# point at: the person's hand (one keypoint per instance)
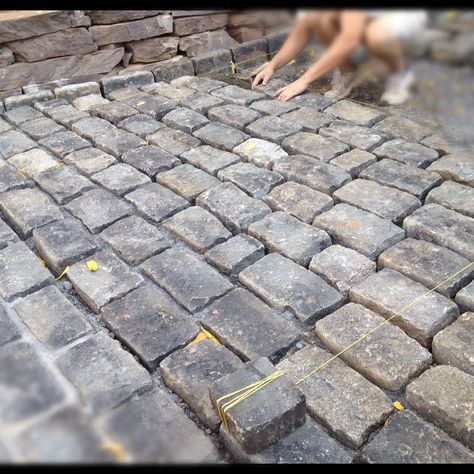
(263, 77)
(289, 91)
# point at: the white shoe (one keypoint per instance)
(340, 85)
(397, 90)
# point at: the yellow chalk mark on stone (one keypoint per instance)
(63, 273)
(92, 265)
(116, 449)
(250, 146)
(203, 334)
(21, 172)
(42, 261)
(233, 67)
(398, 406)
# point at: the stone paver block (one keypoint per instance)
(428, 264)
(104, 373)
(387, 357)
(409, 153)
(232, 206)
(354, 161)
(257, 429)
(383, 201)
(454, 345)
(63, 243)
(456, 166)
(341, 267)
(7, 235)
(150, 159)
(10, 178)
(134, 239)
(249, 327)
(89, 160)
(198, 228)
(465, 298)
(272, 128)
(232, 256)
(201, 102)
(274, 107)
(308, 118)
(404, 177)
(439, 144)
(150, 323)
(154, 106)
(88, 102)
(52, 318)
(209, 159)
(90, 127)
(22, 114)
(141, 125)
(237, 95)
(312, 99)
(14, 142)
(356, 113)
(184, 119)
(260, 152)
(114, 112)
(192, 282)
(27, 387)
(443, 395)
(236, 116)
(408, 439)
(8, 331)
(63, 143)
(72, 91)
(400, 127)
(120, 178)
(117, 141)
(33, 162)
(286, 285)
(198, 83)
(189, 372)
(441, 226)
(359, 230)
(387, 292)
(125, 93)
(66, 114)
(187, 181)
(132, 79)
(220, 136)
(175, 142)
(41, 127)
(165, 434)
(271, 87)
(168, 90)
(346, 403)
(455, 196)
(98, 209)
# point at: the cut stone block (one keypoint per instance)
(454, 345)
(312, 99)
(104, 373)
(184, 119)
(90, 127)
(338, 397)
(10, 178)
(114, 112)
(66, 114)
(404, 177)
(132, 79)
(359, 230)
(394, 358)
(274, 107)
(272, 86)
(27, 387)
(198, 228)
(260, 152)
(187, 181)
(89, 160)
(408, 439)
(86, 103)
(286, 285)
(257, 429)
(201, 102)
(316, 146)
(52, 318)
(441, 226)
(141, 125)
(117, 141)
(98, 209)
(428, 264)
(383, 201)
(150, 159)
(409, 153)
(232, 256)
(354, 161)
(439, 144)
(172, 68)
(120, 178)
(52, 104)
(8, 331)
(237, 95)
(308, 118)
(236, 116)
(249, 327)
(272, 128)
(150, 323)
(221, 136)
(387, 292)
(63, 143)
(400, 127)
(443, 395)
(72, 91)
(14, 142)
(465, 298)
(22, 114)
(7, 235)
(168, 90)
(34, 162)
(198, 83)
(455, 196)
(41, 128)
(63, 243)
(342, 268)
(232, 206)
(457, 166)
(189, 372)
(356, 113)
(154, 106)
(4, 126)
(209, 159)
(175, 142)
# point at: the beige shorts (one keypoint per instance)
(402, 23)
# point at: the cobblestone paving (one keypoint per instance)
(286, 231)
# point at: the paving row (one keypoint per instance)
(284, 230)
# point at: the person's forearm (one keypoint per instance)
(295, 43)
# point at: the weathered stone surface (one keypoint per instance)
(169, 91)
(394, 358)
(28, 388)
(200, 43)
(89, 160)
(153, 49)
(165, 433)
(383, 201)
(193, 283)
(236, 116)
(275, 107)
(154, 106)
(150, 160)
(220, 136)
(236, 95)
(114, 112)
(356, 136)
(259, 429)
(456, 166)
(141, 125)
(117, 141)
(103, 372)
(46, 106)
(209, 159)
(98, 209)
(120, 178)
(407, 152)
(7, 235)
(21, 114)
(308, 118)
(52, 318)
(34, 162)
(388, 292)
(175, 142)
(189, 372)
(8, 331)
(465, 298)
(198, 83)
(150, 323)
(105, 17)
(313, 145)
(232, 206)
(455, 196)
(13, 101)
(400, 127)
(14, 142)
(63, 143)
(40, 127)
(398, 175)
(312, 172)
(260, 152)
(216, 60)
(356, 113)
(272, 128)
(4, 126)
(312, 99)
(198, 228)
(441, 226)
(128, 80)
(184, 119)
(346, 403)
(354, 161)
(201, 102)
(232, 256)
(341, 267)
(6, 56)
(443, 395)
(73, 91)
(454, 345)
(286, 285)
(10, 178)
(362, 231)
(271, 87)
(254, 52)
(65, 114)
(408, 439)
(439, 144)
(428, 264)
(87, 103)
(172, 68)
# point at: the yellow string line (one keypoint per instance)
(248, 390)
